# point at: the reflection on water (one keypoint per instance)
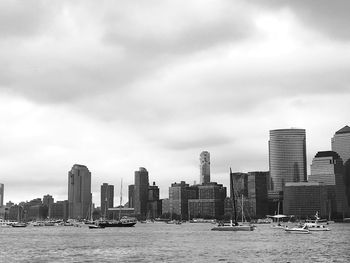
(160, 242)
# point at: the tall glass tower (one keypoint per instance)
(141, 191)
(79, 192)
(287, 157)
(204, 167)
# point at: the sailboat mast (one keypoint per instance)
(242, 208)
(121, 197)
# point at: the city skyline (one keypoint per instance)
(117, 86)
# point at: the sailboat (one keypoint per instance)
(122, 221)
(278, 216)
(19, 223)
(234, 226)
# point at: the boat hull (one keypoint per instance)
(117, 224)
(233, 228)
(297, 230)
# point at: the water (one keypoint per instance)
(160, 242)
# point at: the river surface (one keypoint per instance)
(159, 242)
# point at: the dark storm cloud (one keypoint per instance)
(329, 17)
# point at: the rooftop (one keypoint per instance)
(345, 129)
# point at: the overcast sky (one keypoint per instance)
(116, 85)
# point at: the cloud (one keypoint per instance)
(329, 17)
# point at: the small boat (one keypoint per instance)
(233, 227)
(95, 226)
(19, 225)
(298, 230)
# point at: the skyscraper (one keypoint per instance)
(341, 143)
(107, 198)
(141, 191)
(287, 157)
(204, 167)
(79, 192)
(325, 166)
(1, 195)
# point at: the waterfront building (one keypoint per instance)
(48, 200)
(287, 157)
(210, 200)
(250, 190)
(341, 143)
(79, 192)
(179, 194)
(165, 206)
(154, 205)
(107, 198)
(59, 210)
(1, 195)
(141, 192)
(304, 199)
(204, 166)
(257, 194)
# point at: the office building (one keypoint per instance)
(107, 198)
(179, 194)
(48, 200)
(304, 199)
(59, 210)
(341, 143)
(79, 192)
(249, 190)
(325, 165)
(141, 192)
(209, 203)
(154, 205)
(257, 202)
(1, 195)
(287, 157)
(204, 166)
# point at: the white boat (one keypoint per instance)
(315, 225)
(5, 223)
(298, 230)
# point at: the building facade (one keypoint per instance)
(107, 198)
(257, 194)
(341, 143)
(79, 192)
(1, 195)
(208, 203)
(141, 192)
(204, 167)
(304, 199)
(287, 157)
(179, 194)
